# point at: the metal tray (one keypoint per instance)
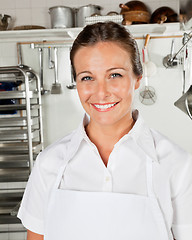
(8, 219)
(18, 148)
(16, 94)
(17, 121)
(14, 161)
(14, 175)
(17, 107)
(17, 134)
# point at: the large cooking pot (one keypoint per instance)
(4, 21)
(85, 11)
(61, 17)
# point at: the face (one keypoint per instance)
(105, 83)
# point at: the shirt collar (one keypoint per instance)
(140, 133)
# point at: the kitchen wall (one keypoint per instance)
(63, 112)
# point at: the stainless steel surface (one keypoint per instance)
(171, 60)
(17, 121)
(18, 107)
(56, 86)
(19, 147)
(61, 17)
(21, 137)
(184, 103)
(14, 175)
(51, 63)
(15, 94)
(85, 11)
(18, 134)
(14, 161)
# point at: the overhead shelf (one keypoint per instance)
(71, 33)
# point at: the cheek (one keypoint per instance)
(84, 91)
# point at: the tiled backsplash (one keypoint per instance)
(35, 12)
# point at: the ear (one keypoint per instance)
(138, 82)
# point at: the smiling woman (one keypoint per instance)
(114, 177)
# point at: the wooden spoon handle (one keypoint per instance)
(146, 40)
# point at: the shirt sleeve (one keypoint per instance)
(182, 204)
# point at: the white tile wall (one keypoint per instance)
(35, 12)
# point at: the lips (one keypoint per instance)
(104, 107)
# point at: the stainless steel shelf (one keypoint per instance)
(16, 94)
(18, 148)
(16, 121)
(15, 135)
(14, 175)
(14, 161)
(21, 136)
(17, 107)
(8, 219)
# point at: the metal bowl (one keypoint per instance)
(4, 21)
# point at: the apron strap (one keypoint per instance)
(149, 175)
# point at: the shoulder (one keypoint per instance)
(53, 156)
(174, 161)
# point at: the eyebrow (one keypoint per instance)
(115, 68)
(110, 69)
(82, 73)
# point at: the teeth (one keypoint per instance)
(104, 106)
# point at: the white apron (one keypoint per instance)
(78, 215)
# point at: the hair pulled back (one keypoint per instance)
(108, 32)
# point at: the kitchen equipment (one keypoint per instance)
(56, 86)
(135, 12)
(184, 103)
(5, 20)
(61, 17)
(85, 11)
(150, 66)
(21, 137)
(51, 63)
(41, 70)
(73, 84)
(164, 15)
(147, 94)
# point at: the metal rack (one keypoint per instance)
(21, 135)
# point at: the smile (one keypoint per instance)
(104, 107)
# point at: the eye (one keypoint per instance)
(86, 78)
(116, 75)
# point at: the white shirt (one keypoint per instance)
(125, 173)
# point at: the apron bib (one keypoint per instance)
(78, 215)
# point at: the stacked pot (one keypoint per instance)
(66, 17)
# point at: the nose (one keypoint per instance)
(102, 90)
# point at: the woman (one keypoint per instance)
(112, 178)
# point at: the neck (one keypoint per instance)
(108, 135)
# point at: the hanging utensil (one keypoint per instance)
(150, 66)
(184, 103)
(147, 94)
(56, 86)
(51, 63)
(43, 91)
(73, 84)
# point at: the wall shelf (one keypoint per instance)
(71, 33)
